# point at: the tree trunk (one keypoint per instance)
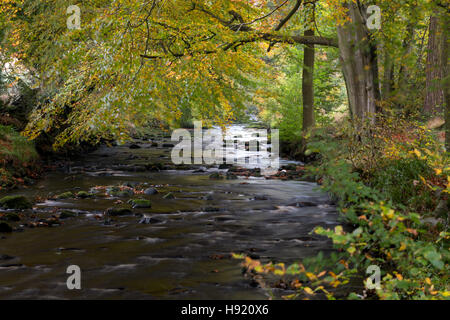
(308, 85)
(404, 72)
(359, 63)
(434, 98)
(446, 82)
(388, 77)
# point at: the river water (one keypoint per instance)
(183, 253)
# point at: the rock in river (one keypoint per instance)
(11, 216)
(140, 203)
(65, 195)
(169, 196)
(149, 220)
(4, 227)
(118, 211)
(67, 214)
(150, 191)
(84, 195)
(15, 202)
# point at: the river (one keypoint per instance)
(184, 250)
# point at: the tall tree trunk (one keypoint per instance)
(359, 63)
(446, 73)
(434, 98)
(404, 72)
(308, 85)
(388, 77)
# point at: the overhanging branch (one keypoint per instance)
(271, 37)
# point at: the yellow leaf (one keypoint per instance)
(308, 290)
(351, 250)
(417, 153)
(311, 276)
(338, 230)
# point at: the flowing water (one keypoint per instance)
(183, 253)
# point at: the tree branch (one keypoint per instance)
(289, 16)
(271, 37)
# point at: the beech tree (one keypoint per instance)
(132, 60)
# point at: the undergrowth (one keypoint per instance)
(389, 181)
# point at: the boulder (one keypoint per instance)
(15, 202)
(140, 203)
(150, 191)
(118, 211)
(84, 195)
(65, 195)
(4, 227)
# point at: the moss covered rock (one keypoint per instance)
(118, 211)
(140, 203)
(15, 202)
(65, 195)
(84, 195)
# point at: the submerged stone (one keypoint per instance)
(260, 197)
(135, 146)
(4, 257)
(67, 214)
(169, 196)
(149, 220)
(120, 193)
(118, 211)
